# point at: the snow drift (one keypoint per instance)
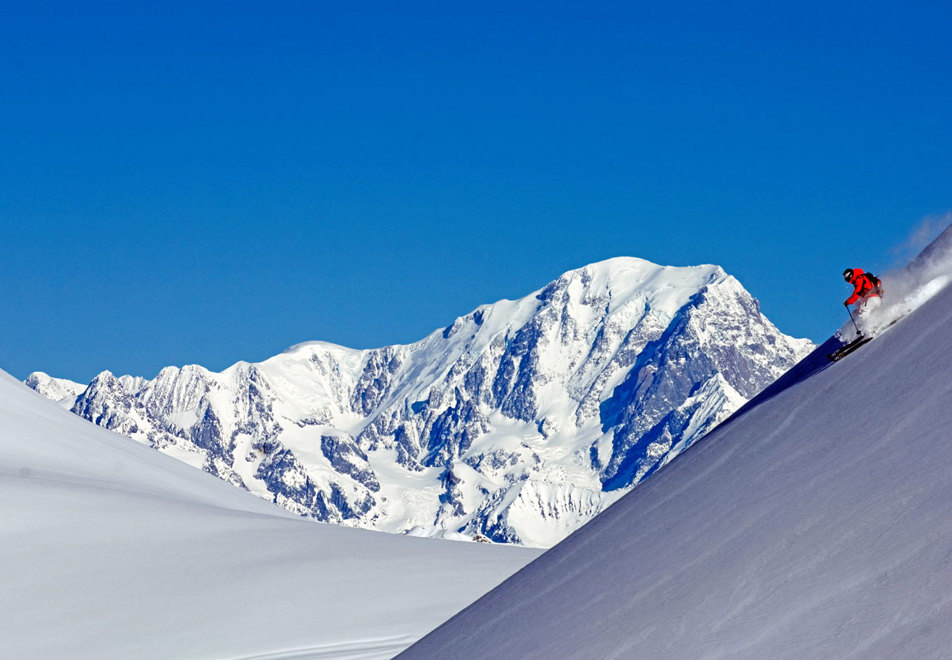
(112, 550)
(815, 523)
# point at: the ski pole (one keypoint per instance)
(848, 311)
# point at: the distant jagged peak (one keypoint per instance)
(103, 377)
(619, 285)
(626, 289)
(107, 380)
(619, 282)
(626, 276)
(52, 388)
(188, 371)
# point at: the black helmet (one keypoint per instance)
(848, 274)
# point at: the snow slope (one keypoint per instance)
(519, 421)
(815, 523)
(112, 550)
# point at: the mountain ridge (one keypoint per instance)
(517, 421)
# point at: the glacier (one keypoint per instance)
(517, 422)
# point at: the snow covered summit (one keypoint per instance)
(815, 523)
(518, 421)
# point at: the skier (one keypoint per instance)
(868, 291)
(865, 286)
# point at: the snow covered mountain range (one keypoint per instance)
(518, 422)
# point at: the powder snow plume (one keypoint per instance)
(908, 288)
(928, 229)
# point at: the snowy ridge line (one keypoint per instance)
(516, 423)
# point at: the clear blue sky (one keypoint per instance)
(207, 184)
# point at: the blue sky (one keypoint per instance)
(208, 184)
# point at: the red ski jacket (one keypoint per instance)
(862, 287)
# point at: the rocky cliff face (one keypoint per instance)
(518, 422)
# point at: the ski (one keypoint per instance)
(843, 351)
(862, 340)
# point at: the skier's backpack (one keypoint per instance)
(876, 282)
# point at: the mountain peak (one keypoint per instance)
(60, 390)
(626, 273)
(513, 423)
